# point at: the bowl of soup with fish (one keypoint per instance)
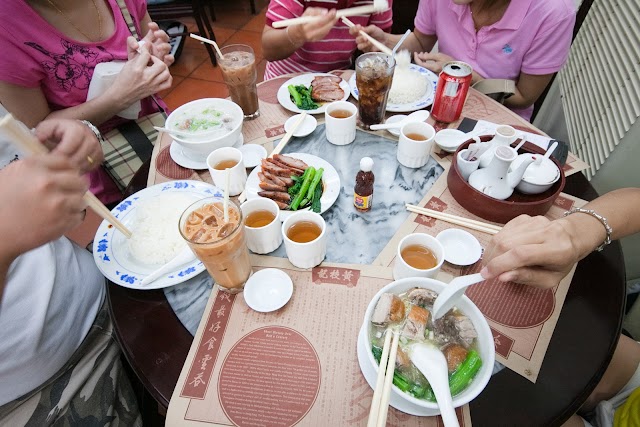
(204, 125)
(462, 334)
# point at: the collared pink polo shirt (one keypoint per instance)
(532, 37)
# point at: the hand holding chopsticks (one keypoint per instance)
(381, 47)
(457, 220)
(376, 6)
(28, 143)
(382, 392)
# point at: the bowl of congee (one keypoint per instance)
(462, 334)
(204, 125)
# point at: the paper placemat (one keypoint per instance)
(295, 366)
(522, 318)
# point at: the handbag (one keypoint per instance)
(497, 89)
(127, 147)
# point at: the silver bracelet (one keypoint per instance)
(600, 218)
(93, 129)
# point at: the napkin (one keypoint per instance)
(104, 75)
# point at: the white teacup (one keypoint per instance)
(266, 238)
(403, 270)
(237, 173)
(340, 130)
(414, 153)
(466, 167)
(310, 254)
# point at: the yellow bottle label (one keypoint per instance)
(362, 202)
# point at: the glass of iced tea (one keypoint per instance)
(238, 66)
(374, 74)
(219, 244)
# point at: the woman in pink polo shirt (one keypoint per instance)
(526, 41)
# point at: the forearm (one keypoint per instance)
(277, 44)
(97, 110)
(619, 207)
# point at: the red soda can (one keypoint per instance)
(451, 92)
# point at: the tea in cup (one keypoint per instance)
(262, 225)
(414, 145)
(418, 255)
(340, 122)
(305, 239)
(223, 159)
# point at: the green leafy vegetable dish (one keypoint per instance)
(301, 96)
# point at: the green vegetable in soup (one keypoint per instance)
(465, 373)
(398, 380)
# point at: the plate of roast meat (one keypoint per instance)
(311, 93)
(295, 181)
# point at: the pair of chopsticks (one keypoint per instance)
(283, 142)
(21, 137)
(454, 219)
(382, 392)
(377, 6)
(382, 48)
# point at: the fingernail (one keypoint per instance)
(484, 272)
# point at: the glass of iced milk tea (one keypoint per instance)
(220, 245)
(238, 66)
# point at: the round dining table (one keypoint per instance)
(156, 344)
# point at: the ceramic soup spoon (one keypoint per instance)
(449, 297)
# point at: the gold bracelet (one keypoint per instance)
(603, 221)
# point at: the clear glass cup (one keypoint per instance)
(238, 67)
(374, 74)
(220, 246)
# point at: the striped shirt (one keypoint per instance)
(335, 51)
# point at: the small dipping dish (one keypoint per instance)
(394, 119)
(252, 154)
(268, 290)
(306, 127)
(449, 139)
(460, 247)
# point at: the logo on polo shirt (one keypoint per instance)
(507, 50)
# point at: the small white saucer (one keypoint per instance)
(252, 154)
(394, 119)
(193, 160)
(460, 247)
(268, 290)
(306, 127)
(449, 139)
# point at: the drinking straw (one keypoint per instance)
(402, 39)
(22, 138)
(226, 195)
(211, 42)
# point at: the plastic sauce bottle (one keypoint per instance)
(363, 190)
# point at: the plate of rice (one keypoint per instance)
(152, 215)
(413, 88)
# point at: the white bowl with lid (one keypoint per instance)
(538, 177)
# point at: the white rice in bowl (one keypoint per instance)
(155, 238)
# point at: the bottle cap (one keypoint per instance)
(366, 164)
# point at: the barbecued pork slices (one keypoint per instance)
(326, 89)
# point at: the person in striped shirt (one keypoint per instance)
(320, 46)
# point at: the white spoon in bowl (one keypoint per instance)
(172, 131)
(451, 294)
(550, 150)
(431, 362)
(185, 256)
(416, 116)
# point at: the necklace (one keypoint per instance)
(99, 35)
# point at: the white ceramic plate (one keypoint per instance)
(394, 119)
(330, 180)
(284, 98)
(445, 137)
(424, 101)
(110, 249)
(193, 161)
(252, 154)
(460, 246)
(268, 290)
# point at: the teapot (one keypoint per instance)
(505, 135)
(496, 180)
